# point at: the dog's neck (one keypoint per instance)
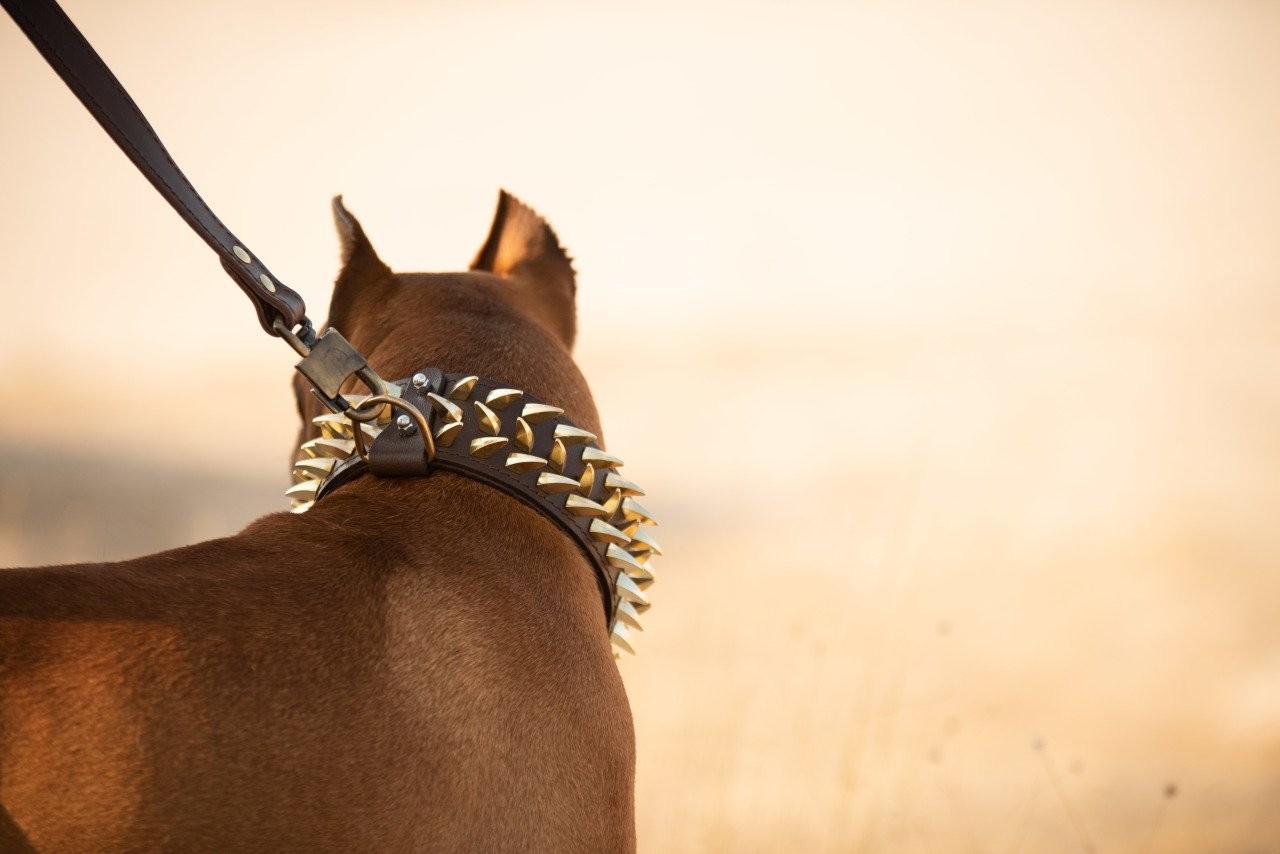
(504, 438)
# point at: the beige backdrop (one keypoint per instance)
(1005, 276)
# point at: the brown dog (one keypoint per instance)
(412, 665)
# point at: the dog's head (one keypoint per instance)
(511, 317)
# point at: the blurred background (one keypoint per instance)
(1002, 278)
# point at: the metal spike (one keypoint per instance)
(622, 559)
(587, 480)
(571, 435)
(337, 448)
(486, 446)
(600, 459)
(631, 509)
(642, 542)
(500, 398)
(621, 638)
(629, 527)
(555, 483)
(521, 463)
(558, 455)
(579, 506)
(643, 577)
(333, 425)
(536, 413)
(617, 481)
(602, 530)
(489, 422)
(462, 388)
(335, 431)
(302, 507)
(313, 468)
(625, 612)
(445, 406)
(628, 590)
(524, 435)
(447, 432)
(613, 502)
(305, 491)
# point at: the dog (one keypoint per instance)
(416, 664)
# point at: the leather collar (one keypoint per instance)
(511, 441)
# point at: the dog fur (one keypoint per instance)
(412, 665)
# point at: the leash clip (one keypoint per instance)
(328, 361)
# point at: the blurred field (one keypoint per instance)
(946, 339)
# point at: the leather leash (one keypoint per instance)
(281, 310)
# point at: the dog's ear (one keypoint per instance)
(523, 248)
(362, 269)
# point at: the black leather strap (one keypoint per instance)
(53, 34)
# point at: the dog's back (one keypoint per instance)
(411, 665)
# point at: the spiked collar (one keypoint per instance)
(513, 442)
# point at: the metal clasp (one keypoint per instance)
(374, 405)
(329, 362)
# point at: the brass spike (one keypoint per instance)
(600, 459)
(625, 612)
(313, 468)
(621, 638)
(333, 425)
(445, 406)
(536, 413)
(521, 463)
(602, 530)
(485, 446)
(571, 435)
(643, 577)
(622, 559)
(587, 480)
(462, 388)
(335, 431)
(337, 448)
(555, 483)
(629, 527)
(302, 507)
(305, 491)
(489, 422)
(579, 506)
(524, 435)
(641, 607)
(447, 432)
(617, 481)
(628, 590)
(558, 455)
(613, 502)
(500, 398)
(641, 541)
(631, 509)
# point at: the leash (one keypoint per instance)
(471, 426)
(329, 360)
